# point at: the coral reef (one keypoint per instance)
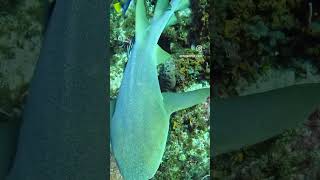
(259, 46)
(252, 36)
(20, 41)
(187, 151)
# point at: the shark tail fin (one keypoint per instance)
(177, 101)
(160, 8)
(141, 20)
(163, 5)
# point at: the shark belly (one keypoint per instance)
(139, 127)
(138, 139)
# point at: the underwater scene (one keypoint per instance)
(266, 62)
(184, 67)
(21, 27)
(265, 69)
(20, 35)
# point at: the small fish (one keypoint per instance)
(117, 7)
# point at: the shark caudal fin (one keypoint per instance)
(142, 21)
(143, 24)
(161, 7)
(178, 101)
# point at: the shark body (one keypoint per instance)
(64, 128)
(140, 123)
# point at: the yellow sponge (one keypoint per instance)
(117, 7)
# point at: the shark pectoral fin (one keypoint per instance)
(112, 107)
(141, 20)
(161, 55)
(177, 101)
(247, 120)
(161, 7)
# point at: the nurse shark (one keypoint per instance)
(140, 123)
